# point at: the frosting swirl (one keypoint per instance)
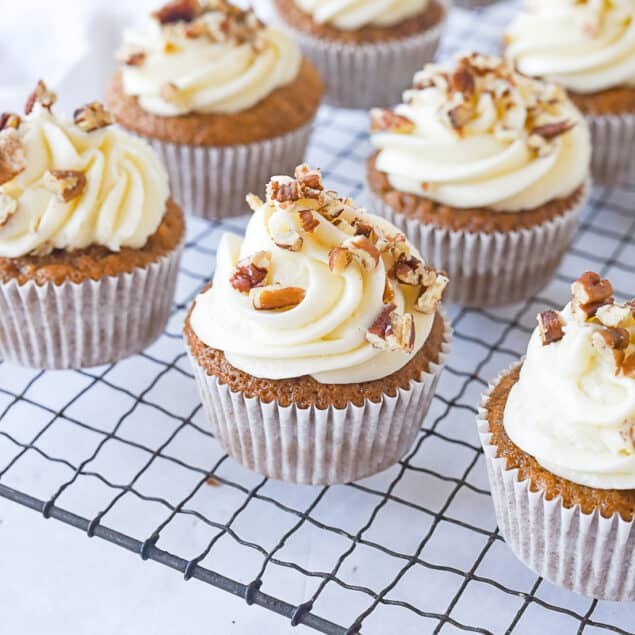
(75, 188)
(478, 134)
(573, 407)
(586, 45)
(349, 15)
(217, 59)
(347, 318)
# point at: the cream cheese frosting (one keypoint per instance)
(116, 187)
(586, 45)
(475, 133)
(573, 407)
(350, 15)
(214, 59)
(335, 330)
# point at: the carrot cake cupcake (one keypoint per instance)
(319, 344)
(224, 99)
(90, 240)
(588, 46)
(559, 437)
(367, 51)
(486, 172)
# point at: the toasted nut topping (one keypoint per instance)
(309, 179)
(550, 325)
(12, 157)
(391, 331)
(67, 184)
(8, 207)
(430, 296)
(251, 272)
(539, 145)
(135, 59)
(628, 366)
(275, 297)
(463, 81)
(308, 221)
(178, 11)
(41, 95)
(284, 192)
(552, 130)
(589, 294)
(291, 240)
(339, 259)
(254, 202)
(9, 120)
(363, 251)
(92, 116)
(381, 119)
(614, 315)
(413, 272)
(389, 292)
(611, 344)
(362, 228)
(459, 116)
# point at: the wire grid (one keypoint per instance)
(123, 452)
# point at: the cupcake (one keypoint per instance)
(318, 345)
(486, 172)
(588, 46)
(225, 101)
(366, 50)
(90, 240)
(558, 432)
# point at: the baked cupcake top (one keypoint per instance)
(318, 287)
(205, 57)
(68, 185)
(573, 407)
(475, 133)
(350, 15)
(586, 45)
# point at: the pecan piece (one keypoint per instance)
(628, 366)
(308, 221)
(381, 119)
(251, 272)
(391, 331)
(430, 296)
(275, 296)
(67, 184)
(92, 116)
(615, 315)
(459, 116)
(589, 293)
(285, 192)
(339, 259)
(12, 156)
(550, 326)
(178, 11)
(612, 344)
(8, 207)
(9, 120)
(135, 59)
(552, 130)
(362, 228)
(363, 251)
(389, 292)
(41, 95)
(291, 241)
(308, 178)
(463, 81)
(414, 272)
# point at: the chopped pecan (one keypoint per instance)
(8, 207)
(275, 296)
(459, 116)
(291, 240)
(178, 11)
(362, 228)
(196, 29)
(308, 221)
(331, 212)
(552, 130)
(12, 156)
(251, 272)
(41, 95)
(136, 58)
(615, 315)
(67, 184)
(254, 202)
(389, 292)
(612, 343)
(589, 293)
(284, 192)
(363, 251)
(414, 272)
(463, 81)
(308, 178)
(628, 366)
(429, 297)
(339, 259)
(9, 120)
(381, 119)
(391, 331)
(550, 326)
(92, 116)
(539, 145)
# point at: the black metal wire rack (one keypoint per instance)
(128, 457)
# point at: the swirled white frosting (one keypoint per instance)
(122, 204)
(572, 412)
(325, 335)
(348, 15)
(493, 159)
(587, 46)
(203, 74)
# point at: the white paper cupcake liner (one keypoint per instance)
(613, 143)
(212, 181)
(368, 75)
(318, 446)
(491, 269)
(76, 325)
(585, 553)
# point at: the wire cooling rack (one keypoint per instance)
(124, 453)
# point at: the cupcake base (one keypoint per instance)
(576, 537)
(292, 440)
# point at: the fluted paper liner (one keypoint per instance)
(585, 553)
(82, 324)
(613, 148)
(318, 446)
(368, 75)
(212, 181)
(491, 269)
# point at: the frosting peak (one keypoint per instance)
(573, 407)
(205, 57)
(318, 287)
(478, 134)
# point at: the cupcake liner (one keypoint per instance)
(585, 553)
(473, 4)
(612, 140)
(491, 269)
(367, 75)
(318, 446)
(82, 324)
(212, 181)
